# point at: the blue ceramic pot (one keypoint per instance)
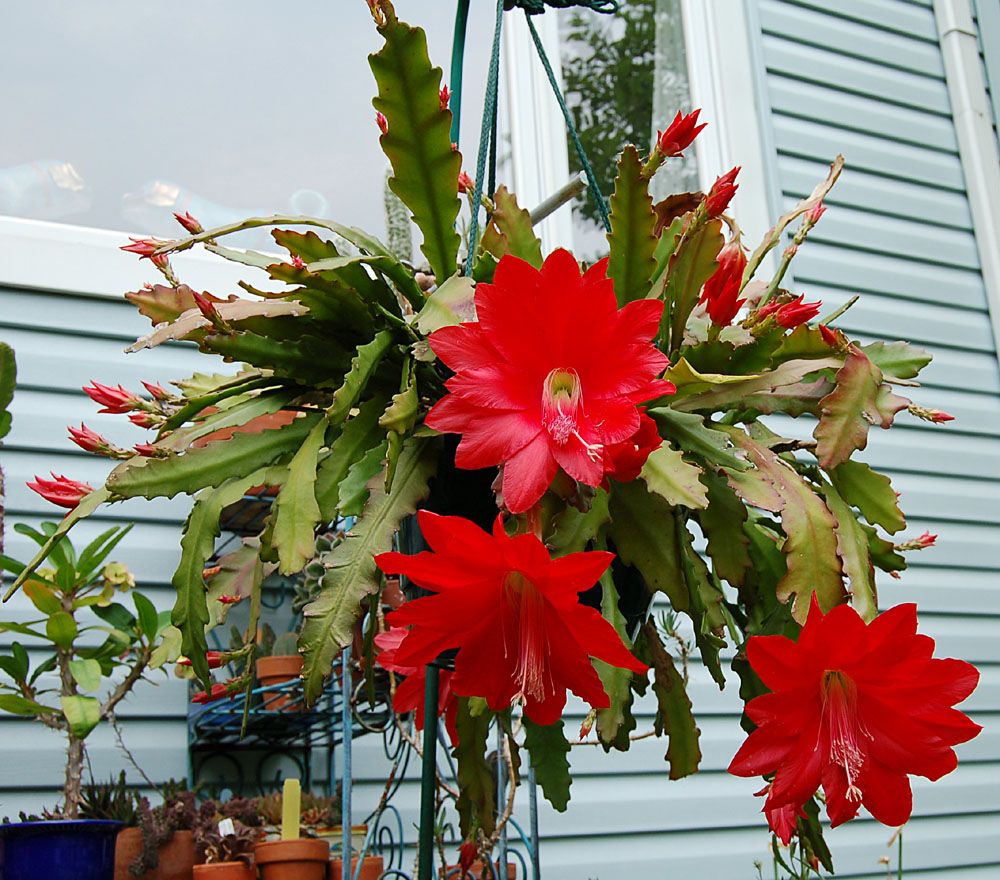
(68, 849)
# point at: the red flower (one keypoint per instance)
(550, 375)
(679, 134)
(722, 290)
(382, 122)
(791, 314)
(624, 460)
(88, 440)
(854, 708)
(61, 491)
(218, 692)
(190, 223)
(215, 659)
(721, 193)
(444, 97)
(114, 400)
(410, 691)
(513, 614)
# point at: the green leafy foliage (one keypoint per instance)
(852, 547)
(614, 723)
(673, 479)
(690, 266)
(847, 412)
(510, 230)
(674, 715)
(631, 238)
(351, 572)
(693, 434)
(418, 142)
(722, 521)
(547, 749)
(870, 492)
(573, 529)
(476, 804)
(296, 510)
(8, 377)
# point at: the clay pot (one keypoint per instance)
(276, 670)
(371, 868)
(225, 871)
(302, 859)
(176, 856)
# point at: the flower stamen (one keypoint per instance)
(532, 646)
(844, 727)
(562, 410)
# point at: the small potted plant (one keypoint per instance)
(162, 846)
(278, 661)
(74, 687)
(224, 846)
(292, 857)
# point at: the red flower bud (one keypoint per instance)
(444, 96)
(218, 692)
(465, 183)
(114, 400)
(61, 491)
(144, 247)
(215, 659)
(148, 450)
(144, 420)
(298, 262)
(467, 854)
(679, 134)
(939, 416)
(211, 571)
(814, 213)
(830, 337)
(791, 314)
(722, 192)
(926, 540)
(190, 223)
(230, 600)
(88, 440)
(383, 123)
(723, 287)
(156, 390)
(205, 306)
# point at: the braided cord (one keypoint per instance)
(536, 7)
(588, 169)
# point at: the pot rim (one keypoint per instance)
(93, 824)
(270, 850)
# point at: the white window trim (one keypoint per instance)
(85, 261)
(977, 145)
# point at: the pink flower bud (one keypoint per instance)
(383, 123)
(144, 247)
(113, 400)
(61, 490)
(814, 213)
(205, 306)
(722, 192)
(144, 419)
(230, 599)
(939, 416)
(680, 134)
(926, 540)
(157, 391)
(444, 96)
(147, 450)
(190, 223)
(465, 183)
(88, 440)
(298, 262)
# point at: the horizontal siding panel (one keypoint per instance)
(855, 76)
(877, 194)
(793, 97)
(890, 15)
(813, 139)
(863, 272)
(824, 28)
(67, 315)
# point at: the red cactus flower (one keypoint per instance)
(61, 491)
(215, 659)
(219, 691)
(551, 374)
(680, 134)
(854, 708)
(512, 612)
(721, 291)
(624, 460)
(190, 223)
(444, 96)
(113, 400)
(382, 122)
(722, 192)
(89, 440)
(410, 691)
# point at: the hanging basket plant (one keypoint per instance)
(622, 414)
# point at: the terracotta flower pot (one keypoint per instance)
(454, 872)
(277, 670)
(225, 871)
(302, 859)
(371, 868)
(176, 856)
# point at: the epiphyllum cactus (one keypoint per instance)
(560, 377)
